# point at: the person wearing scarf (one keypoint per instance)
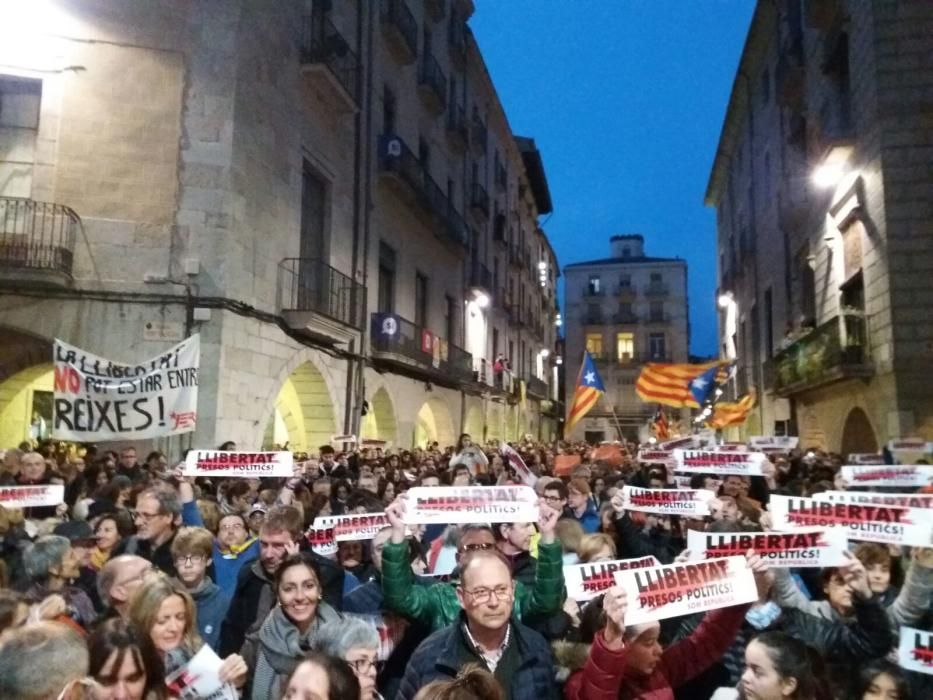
(286, 636)
(233, 549)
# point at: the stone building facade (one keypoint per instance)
(625, 310)
(821, 185)
(291, 180)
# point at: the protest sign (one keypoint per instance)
(693, 503)
(774, 442)
(782, 550)
(609, 453)
(323, 540)
(680, 589)
(96, 400)
(871, 523)
(238, 464)
(199, 679)
(665, 457)
(923, 502)
(733, 447)
(897, 475)
(470, 504)
(587, 581)
(340, 439)
(915, 650)
(515, 461)
(687, 442)
(349, 528)
(710, 462)
(909, 450)
(391, 629)
(565, 464)
(30, 496)
(866, 458)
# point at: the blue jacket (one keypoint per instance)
(227, 567)
(211, 605)
(437, 658)
(589, 521)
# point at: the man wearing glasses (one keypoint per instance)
(438, 606)
(485, 633)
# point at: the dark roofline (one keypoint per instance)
(627, 237)
(534, 168)
(627, 261)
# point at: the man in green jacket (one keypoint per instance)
(437, 606)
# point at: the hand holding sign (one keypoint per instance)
(233, 669)
(618, 503)
(856, 577)
(615, 603)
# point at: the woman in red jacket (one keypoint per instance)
(629, 662)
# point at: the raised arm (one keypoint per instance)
(547, 594)
(916, 596)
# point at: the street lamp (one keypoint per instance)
(833, 167)
(725, 300)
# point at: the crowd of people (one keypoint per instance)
(109, 594)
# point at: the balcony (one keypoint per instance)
(432, 84)
(501, 177)
(457, 133)
(499, 232)
(478, 135)
(327, 61)
(515, 316)
(656, 289)
(401, 169)
(400, 29)
(536, 388)
(37, 242)
(626, 294)
(319, 301)
(658, 319)
(595, 293)
(400, 344)
(515, 257)
(435, 9)
(835, 351)
(479, 200)
(479, 277)
(501, 299)
(625, 318)
(593, 318)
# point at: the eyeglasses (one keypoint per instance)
(145, 517)
(482, 595)
(361, 666)
(553, 499)
(138, 577)
(477, 546)
(195, 559)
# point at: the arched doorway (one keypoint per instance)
(304, 415)
(857, 434)
(434, 423)
(379, 423)
(474, 423)
(25, 387)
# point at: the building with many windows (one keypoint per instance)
(625, 310)
(329, 193)
(821, 185)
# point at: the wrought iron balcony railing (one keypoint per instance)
(310, 284)
(322, 43)
(37, 239)
(402, 343)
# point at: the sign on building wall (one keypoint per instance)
(99, 400)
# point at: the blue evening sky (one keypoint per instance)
(625, 99)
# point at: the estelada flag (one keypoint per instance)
(565, 464)
(608, 453)
(589, 389)
(725, 414)
(669, 384)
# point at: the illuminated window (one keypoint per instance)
(594, 343)
(625, 347)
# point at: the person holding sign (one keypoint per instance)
(629, 661)
(437, 606)
(470, 456)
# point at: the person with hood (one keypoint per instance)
(191, 550)
(287, 633)
(629, 661)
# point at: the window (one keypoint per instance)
(593, 314)
(388, 111)
(495, 342)
(656, 278)
(19, 127)
(625, 347)
(312, 234)
(625, 282)
(593, 286)
(656, 311)
(626, 312)
(421, 300)
(657, 346)
(450, 319)
(386, 297)
(626, 252)
(594, 344)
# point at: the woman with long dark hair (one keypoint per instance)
(880, 680)
(778, 667)
(125, 663)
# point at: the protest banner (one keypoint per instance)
(588, 581)
(909, 450)
(774, 442)
(686, 443)
(692, 503)
(199, 679)
(350, 528)
(99, 400)
(923, 502)
(30, 496)
(866, 458)
(915, 650)
(470, 504)
(733, 447)
(323, 540)
(870, 523)
(565, 464)
(813, 548)
(894, 475)
(681, 589)
(710, 462)
(340, 439)
(515, 461)
(681, 481)
(665, 457)
(238, 464)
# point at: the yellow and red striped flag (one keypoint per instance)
(588, 390)
(726, 414)
(669, 384)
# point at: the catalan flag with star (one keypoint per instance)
(588, 390)
(671, 384)
(726, 414)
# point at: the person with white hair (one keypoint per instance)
(356, 641)
(42, 661)
(52, 565)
